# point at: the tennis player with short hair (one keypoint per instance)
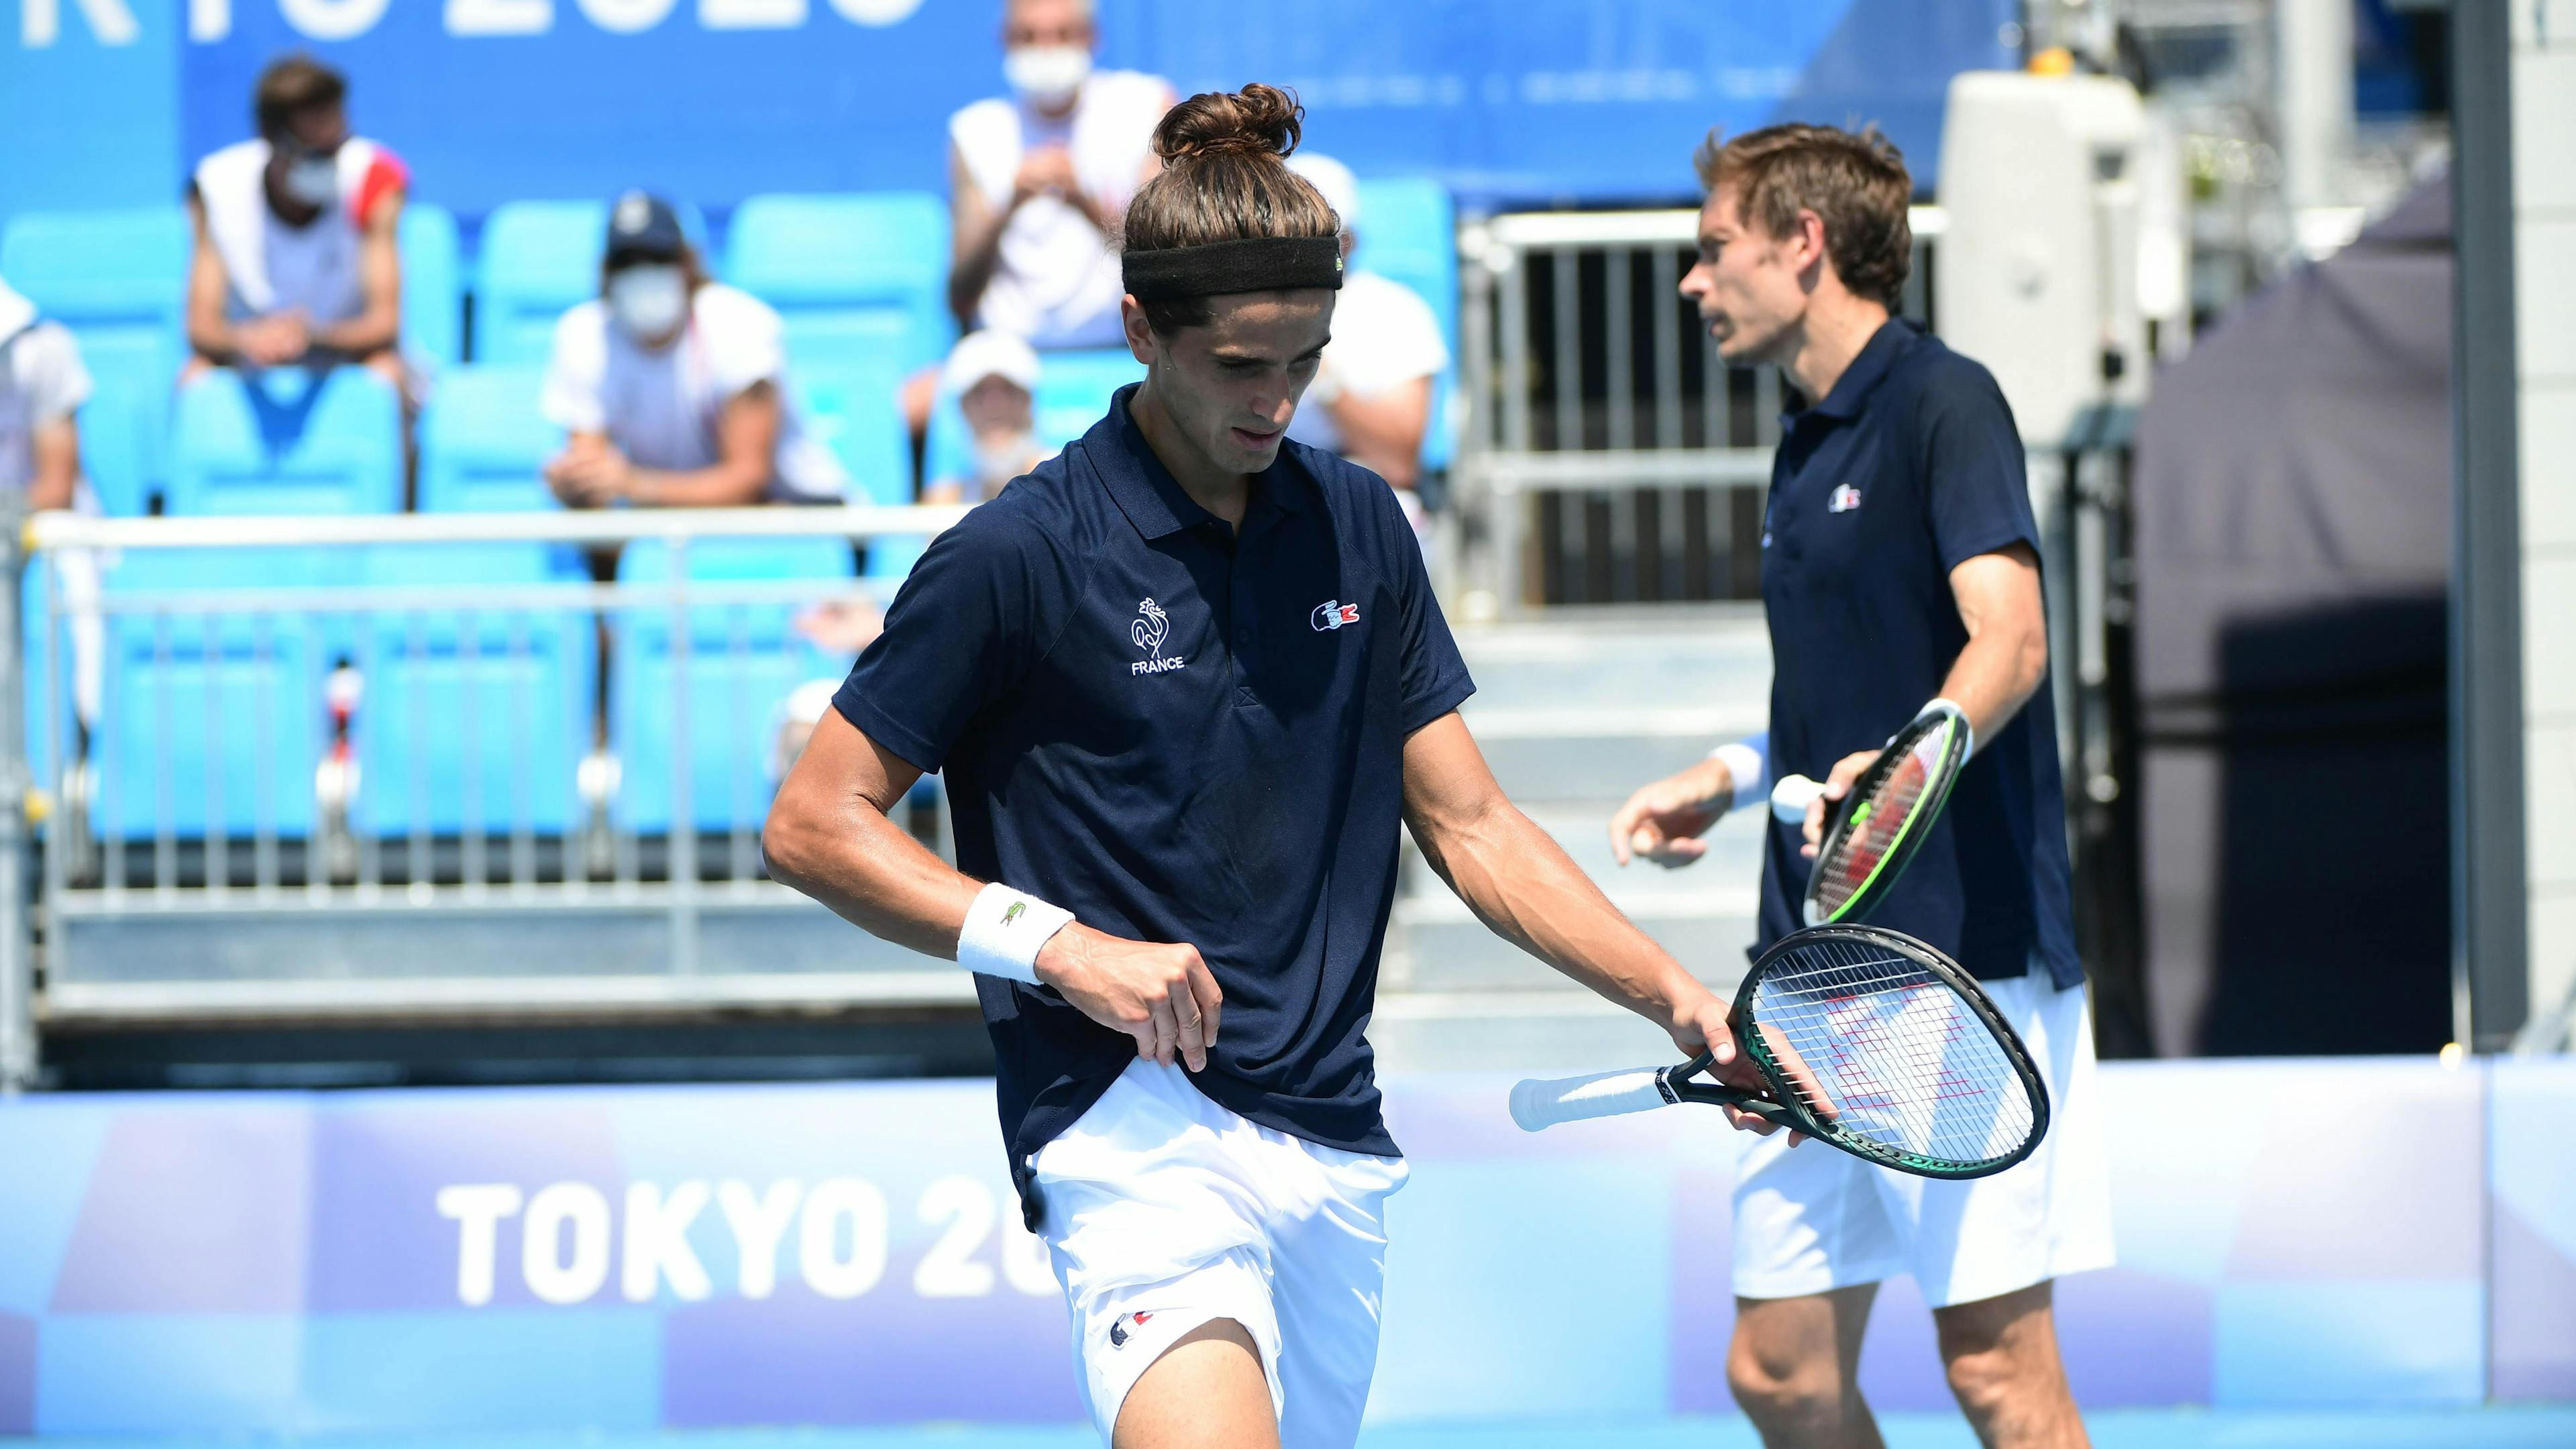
(1899, 567)
(1184, 679)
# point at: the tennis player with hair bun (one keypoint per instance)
(1900, 573)
(1184, 679)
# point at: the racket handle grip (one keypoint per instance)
(1541, 1104)
(1791, 797)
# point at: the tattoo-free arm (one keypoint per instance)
(1998, 595)
(378, 324)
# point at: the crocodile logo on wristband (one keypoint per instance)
(1012, 912)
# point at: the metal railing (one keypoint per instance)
(244, 796)
(1609, 455)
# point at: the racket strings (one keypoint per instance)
(1877, 820)
(1883, 1049)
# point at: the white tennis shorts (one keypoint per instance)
(1165, 1211)
(1815, 1219)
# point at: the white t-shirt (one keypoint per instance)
(1057, 280)
(1384, 336)
(42, 381)
(662, 409)
(272, 266)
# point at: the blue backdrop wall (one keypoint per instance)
(105, 102)
(632, 1258)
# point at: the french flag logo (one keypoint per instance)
(1333, 614)
(1844, 500)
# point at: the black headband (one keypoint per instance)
(1253, 264)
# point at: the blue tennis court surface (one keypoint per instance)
(2489, 1428)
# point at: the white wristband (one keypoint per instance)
(1966, 729)
(1004, 930)
(1746, 767)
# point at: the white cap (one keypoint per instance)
(1341, 189)
(979, 355)
(15, 313)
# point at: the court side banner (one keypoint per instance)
(1538, 101)
(636, 1258)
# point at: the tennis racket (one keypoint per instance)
(1875, 828)
(1867, 1040)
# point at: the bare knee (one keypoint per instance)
(1786, 1389)
(2001, 1358)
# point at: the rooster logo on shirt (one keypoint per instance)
(1150, 629)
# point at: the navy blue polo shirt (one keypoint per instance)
(1910, 466)
(1178, 733)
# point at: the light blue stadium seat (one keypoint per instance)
(536, 261)
(118, 280)
(744, 660)
(484, 444)
(473, 718)
(1409, 232)
(854, 411)
(433, 286)
(856, 279)
(213, 722)
(287, 441)
(1074, 389)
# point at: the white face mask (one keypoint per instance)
(649, 302)
(313, 180)
(1046, 76)
(1001, 457)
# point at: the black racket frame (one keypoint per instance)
(1781, 1108)
(1838, 818)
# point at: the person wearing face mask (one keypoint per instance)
(673, 389)
(994, 377)
(295, 260)
(1038, 179)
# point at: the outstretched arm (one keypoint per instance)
(1520, 883)
(828, 836)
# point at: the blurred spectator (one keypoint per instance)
(1371, 399)
(674, 388)
(994, 378)
(1037, 181)
(42, 387)
(295, 259)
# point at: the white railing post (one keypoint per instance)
(17, 944)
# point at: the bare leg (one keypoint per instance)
(1794, 1367)
(1205, 1392)
(2001, 1354)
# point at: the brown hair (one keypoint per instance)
(1225, 177)
(291, 86)
(1856, 184)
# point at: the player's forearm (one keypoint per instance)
(1996, 674)
(871, 873)
(1521, 884)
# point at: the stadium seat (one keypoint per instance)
(212, 722)
(472, 718)
(433, 282)
(744, 659)
(483, 443)
(287, 441)
(1409, 232)
(537, 260)
(857, 280)
(118, 280)
(855, 413)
